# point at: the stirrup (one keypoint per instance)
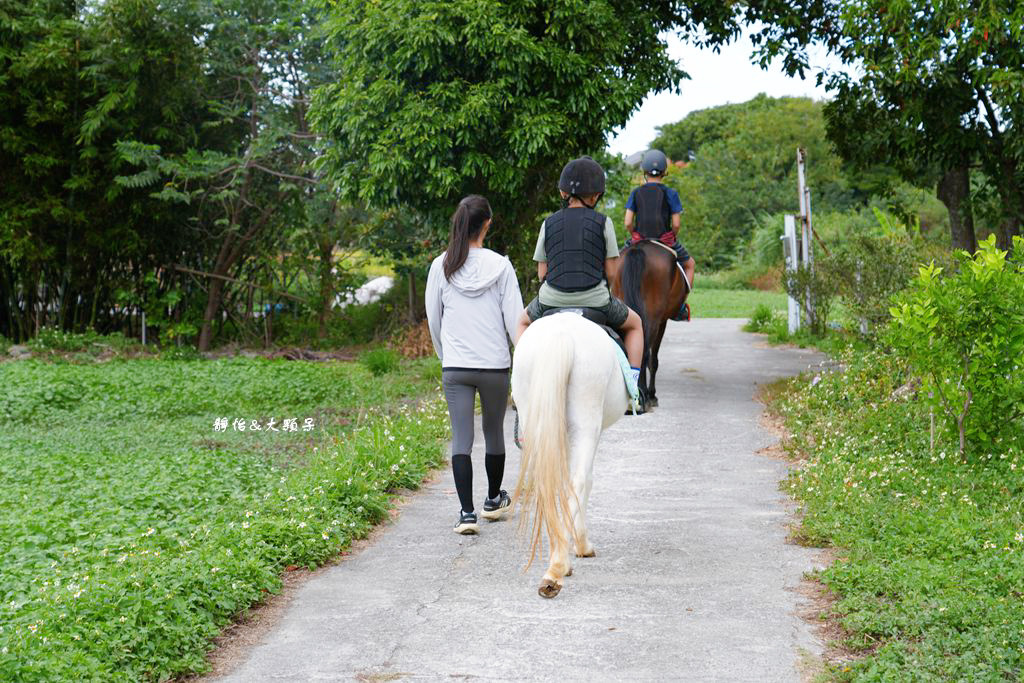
(683, 314)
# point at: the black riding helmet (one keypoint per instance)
(654, 162)
(582, 177)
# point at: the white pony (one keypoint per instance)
(568, 387)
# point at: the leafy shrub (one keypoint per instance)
(431, 369)
(5, 345)
(380, 361)
(964, 336)
(761, 319)
(180, 353)
(56, 339)
(869, 271)
(815, 288)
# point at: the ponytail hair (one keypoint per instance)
(467, 222)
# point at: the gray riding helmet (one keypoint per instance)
(654, 162)
(581, 177)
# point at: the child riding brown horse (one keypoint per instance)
(652, 284)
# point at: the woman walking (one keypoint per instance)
(473, 303)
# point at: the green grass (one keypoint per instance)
(132, 528)
(931, 548)
(732, 303)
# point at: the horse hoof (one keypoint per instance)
(587, 553)
(651, 403)
(569, 573)
(548, 588)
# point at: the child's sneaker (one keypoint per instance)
(495, 508)
(466, 523)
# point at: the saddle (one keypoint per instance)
(595, 316)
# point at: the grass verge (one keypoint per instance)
(732, 303)
(930, 548)
(134, 525)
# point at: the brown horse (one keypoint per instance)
(650, 283)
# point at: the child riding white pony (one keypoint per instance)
(568, 387)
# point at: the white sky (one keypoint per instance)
(726, 77)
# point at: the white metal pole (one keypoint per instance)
(792, 255)
(807, 252)
(805, 209)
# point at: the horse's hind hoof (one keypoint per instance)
(587, 553)
(651, 403)
(548, 588)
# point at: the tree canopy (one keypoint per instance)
(934, 89)
(436, 100)
(741, 163)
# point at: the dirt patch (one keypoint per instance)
(770, 281)
(771, 422)
(250, 627)
(413, 341)
(817, 607)
(307, 354)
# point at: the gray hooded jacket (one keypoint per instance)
(473, 316)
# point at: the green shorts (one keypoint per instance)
(615, 311)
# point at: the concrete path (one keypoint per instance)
(693, 580)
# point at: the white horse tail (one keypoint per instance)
(544, 487)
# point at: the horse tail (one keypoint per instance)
(632, 280)
(543, 488)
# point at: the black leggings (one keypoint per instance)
(460, 389)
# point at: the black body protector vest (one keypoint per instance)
(575, 247)
(653, 215)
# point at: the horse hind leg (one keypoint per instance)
(558, 569)
(653, 363)
(582, 481)
(581, 460)
(560, 566)
(584, 548)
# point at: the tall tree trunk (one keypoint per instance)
(326, 249)
(1008, 228)
(953, 191)
(412, 298)
(215, 293)
(1013, 204)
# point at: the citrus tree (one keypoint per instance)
(963, 335)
